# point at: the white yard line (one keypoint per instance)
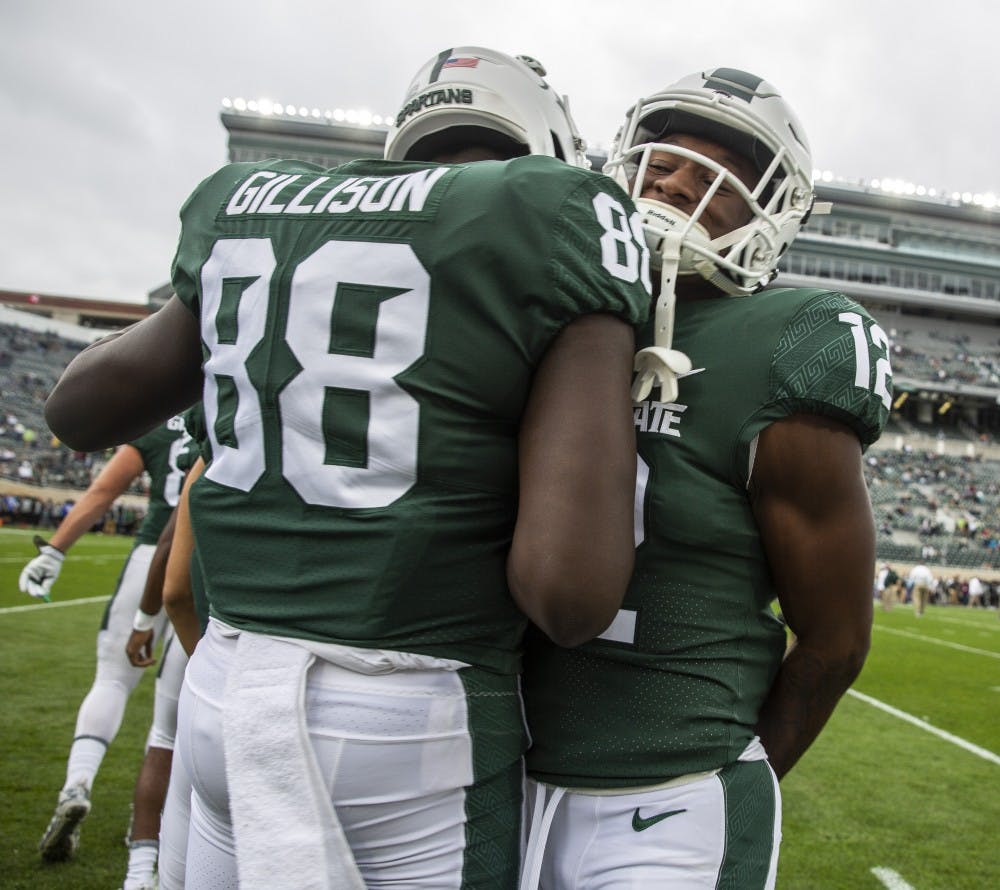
(34, 606)
(959, 646)
(891, 879)
(922, 724)
(970, 623)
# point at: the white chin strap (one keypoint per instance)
(659, 365)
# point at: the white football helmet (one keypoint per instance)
(473, 95)
(747, 115)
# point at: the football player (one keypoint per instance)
(164, 454)
(416, 392)
(657, 746)
(154, 775)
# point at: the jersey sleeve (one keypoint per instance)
(832, 359)
(600, 262)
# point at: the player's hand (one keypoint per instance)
(139, 648)
(38, 576)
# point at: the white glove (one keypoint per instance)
(40, 574)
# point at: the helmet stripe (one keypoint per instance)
(735, 82)
(443, 57)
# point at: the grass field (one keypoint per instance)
(876, 792)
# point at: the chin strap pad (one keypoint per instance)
(659, 364)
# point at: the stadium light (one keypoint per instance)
(358, 117)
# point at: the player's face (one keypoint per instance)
(682, 183)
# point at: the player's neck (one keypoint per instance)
(690, 288)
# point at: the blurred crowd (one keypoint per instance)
(954, 360)
(28, 511)
(894, 585)
(928, 507)
(936, 508)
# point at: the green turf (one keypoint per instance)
(47, 665)
(873, 791)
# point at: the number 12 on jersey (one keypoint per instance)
(862, 366)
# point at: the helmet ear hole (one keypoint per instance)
(557, 146)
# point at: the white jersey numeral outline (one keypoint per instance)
(624, 253)
(862, 360)
(399, 338)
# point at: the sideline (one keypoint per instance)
(891, 879)
(35, 606)
(959, 646)
(921, 724)
(972, 623)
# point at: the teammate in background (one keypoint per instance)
(163, 454)
(416, 392)
(154, 774)
(185, 599)
(657, 746)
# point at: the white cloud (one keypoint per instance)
(111, 108)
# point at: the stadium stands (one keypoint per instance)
(31, 360)
(935, 488)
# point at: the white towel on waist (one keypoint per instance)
(286, 829)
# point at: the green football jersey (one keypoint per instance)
(167, 454)
(370, 335)
(674, 686)
(194, 423)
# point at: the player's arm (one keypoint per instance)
(573, 546)
(41, 572)
(139, 646)
(812, 508)
(122, 386)
(178, 596)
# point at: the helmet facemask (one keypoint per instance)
(746, 116)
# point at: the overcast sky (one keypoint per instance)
(110, 109)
